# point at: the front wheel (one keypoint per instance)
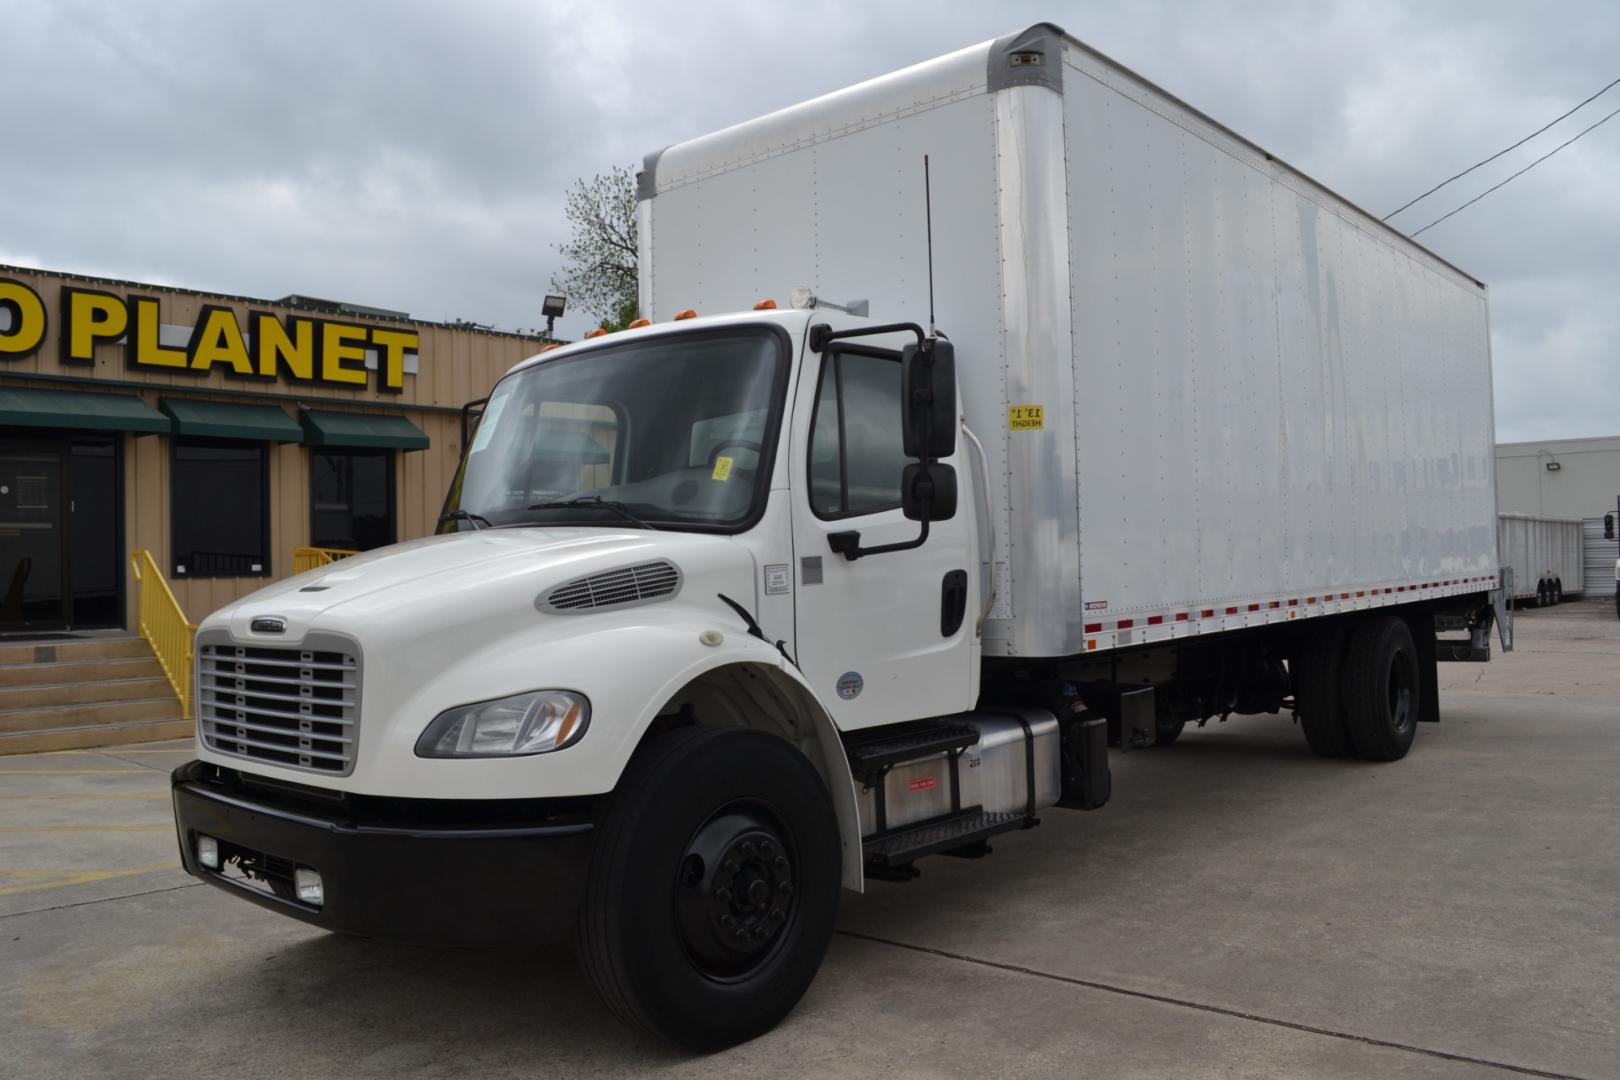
(714, 886)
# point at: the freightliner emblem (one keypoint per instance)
(271, 624)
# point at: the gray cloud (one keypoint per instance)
(414, 155)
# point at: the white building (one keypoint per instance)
(1566, 478)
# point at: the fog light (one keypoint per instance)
(208, 852)
(307, 883)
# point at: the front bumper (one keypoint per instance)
(419, 870)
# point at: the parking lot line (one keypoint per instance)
(72, 772)
(61, 879)
(77, 798)
(83, 828)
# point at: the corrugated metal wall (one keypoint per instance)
(1599, 557)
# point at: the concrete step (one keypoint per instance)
(47, 695)
(50, 651)
(136, 667)
(16, 721)
(79, 738)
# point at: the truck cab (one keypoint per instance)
(729, 542)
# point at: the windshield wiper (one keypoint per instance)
(479, 521)
(592, 500)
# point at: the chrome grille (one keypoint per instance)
(295, 707)
(637, 584)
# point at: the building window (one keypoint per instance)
(220, 508)
(856, 459)
(351, 498)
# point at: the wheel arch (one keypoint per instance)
(773, 699)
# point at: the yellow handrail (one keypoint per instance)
(165, 626)
(308, 558)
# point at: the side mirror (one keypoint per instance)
(928, 399)
(928, 492)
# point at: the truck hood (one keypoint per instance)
(444, 580)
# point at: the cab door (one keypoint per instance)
(884, 637)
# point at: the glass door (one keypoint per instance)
(32, 537)
(95, 527)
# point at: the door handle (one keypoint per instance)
(952, 602)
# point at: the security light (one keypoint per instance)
(552, 309)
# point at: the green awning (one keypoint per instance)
(71, 409)
(570, 448)
(218, 420)
(374, 430)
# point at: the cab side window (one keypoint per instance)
(856, 458)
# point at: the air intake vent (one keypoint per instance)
(639, 584)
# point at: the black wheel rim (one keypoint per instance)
(1401, 685)
(736, 891)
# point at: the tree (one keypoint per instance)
(599, 267)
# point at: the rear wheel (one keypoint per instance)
(1316, 692)
(714, 886)
(1381, 688)
(1558, 591)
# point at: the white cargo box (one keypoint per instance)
(1213, 393)
(1542, 549)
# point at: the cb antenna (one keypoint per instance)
(928, 217)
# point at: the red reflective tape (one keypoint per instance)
(1294, 602)
(1181, 616)
(1254, 607)
(1360, 593)
(1126, 624)
(1208, 613)
(1275, 604)
(1231, 611)
(1310, 599)
(1398, 588)
(922, 784)
(1155, 620)
(1093, 627)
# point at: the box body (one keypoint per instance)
(1256, 402)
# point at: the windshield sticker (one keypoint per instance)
(722, 469)
(486, 425)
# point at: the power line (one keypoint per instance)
(1499, 153)
(1521, 172)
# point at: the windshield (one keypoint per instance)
(669, 432)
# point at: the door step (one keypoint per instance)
(894, 850)
(871, 757)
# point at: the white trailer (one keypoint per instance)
(1547, 556)
(729, 611)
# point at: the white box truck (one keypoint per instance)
(730, 611)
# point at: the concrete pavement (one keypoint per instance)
(1240, 908)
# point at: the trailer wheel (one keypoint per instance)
(1382, 688)
(1557, 591)
(1316, 692)
(713, 888)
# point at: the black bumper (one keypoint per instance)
(419, 870)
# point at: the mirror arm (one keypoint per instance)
(848, 543)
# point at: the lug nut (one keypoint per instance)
(722, 893)
(741, 934)
(747, 847)
(777, 914)
(767, 848)
(730, 866)
(785, 888)
(726, 919)
(781, 862)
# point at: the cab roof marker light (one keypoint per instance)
(598, 332)
(553, 345)
(689, 313)
(638, 324)
(765, 305)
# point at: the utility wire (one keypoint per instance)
(1499, 153)
(1521, 172)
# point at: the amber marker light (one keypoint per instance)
(765, 305)
(638, 324)
(598, 332)
(689, 313)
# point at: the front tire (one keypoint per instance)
(714, 886)
(1382, 688)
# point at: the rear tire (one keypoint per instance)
(1557, 591)
(713, 888)
(1382, 688)
(1316, 692)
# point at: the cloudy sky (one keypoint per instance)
(415, 155)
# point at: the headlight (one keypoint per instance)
(532, 723)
